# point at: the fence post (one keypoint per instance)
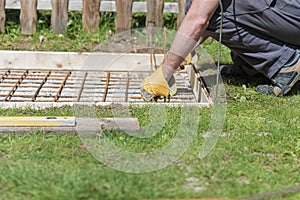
(91, 15)
(124, 18)
(28, 16)
(181, 12)
(154, 13)
(59, 16)
(2, 16)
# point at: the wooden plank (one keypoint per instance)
(2, 16)
(197, 84)
(87, 125)
(59, 16)
(124, 18)
(91, 15)
(106, 6)
(154, 13)
(181, 12)
(75, 60)
(29, 121)
(28, 16)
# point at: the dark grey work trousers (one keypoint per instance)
(263, 34)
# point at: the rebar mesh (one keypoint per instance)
(33, 85)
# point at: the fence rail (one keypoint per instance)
(90, 11)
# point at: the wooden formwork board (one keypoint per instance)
(76, 61)
(197, 84)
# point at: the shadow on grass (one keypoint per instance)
(253, 81)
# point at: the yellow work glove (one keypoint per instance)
(156, 86)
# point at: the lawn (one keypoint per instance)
(257, 155)
(257, 152)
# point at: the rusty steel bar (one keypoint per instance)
(17, 84)
(81, 87)
(165, 42)
(40, 87)
(27, 95)
(127, 87)
(56, 97)
(106, 87)
(35, 86)
(135, 97)
(5, 74)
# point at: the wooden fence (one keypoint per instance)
(90, 12)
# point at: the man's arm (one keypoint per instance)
(161, 82)
(190, 32)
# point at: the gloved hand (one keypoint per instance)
(157, 86)
(186, 61)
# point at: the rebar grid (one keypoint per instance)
(32, 85)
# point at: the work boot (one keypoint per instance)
(285, 79)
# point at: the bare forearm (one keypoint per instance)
(190, 33)
(174, 60)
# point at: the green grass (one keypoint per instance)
(75, 39)
(258, 151)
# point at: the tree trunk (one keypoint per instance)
(154, 13)
(28, 16)
(2, 16)
(59, 16)
(124, 19)
(91, 15)
(181, 12)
